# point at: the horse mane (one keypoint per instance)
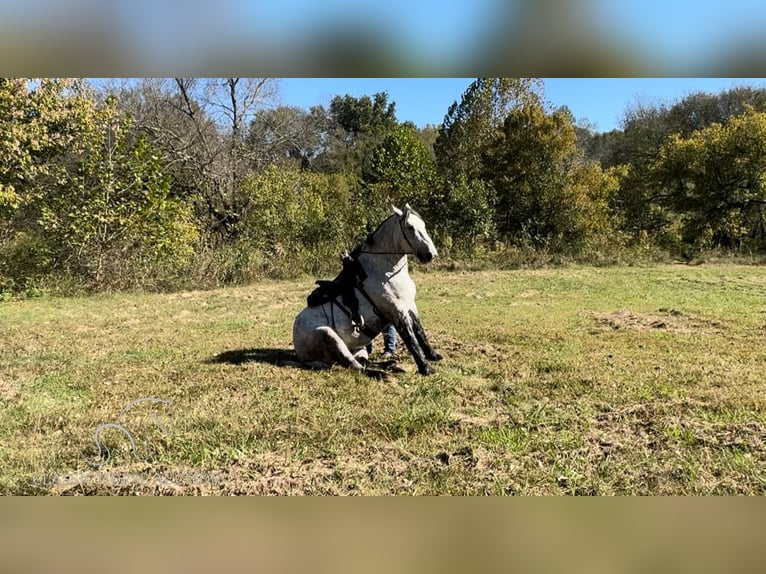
(370, 240)
(371, 237)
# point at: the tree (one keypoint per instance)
(82, 192)
(427, 135)
(715, 180)
(301, 220)
(354, 127)
(200, 126)
(463, 215)
(363, 116)
(545, 192)
(114, 214)
(285, 133)
(642, 201)
(400, 171)
(645, 130)
(471, 125)
(41, 122)
(700, 110)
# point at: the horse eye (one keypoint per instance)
(411, 228)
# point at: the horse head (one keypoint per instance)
(415, 234)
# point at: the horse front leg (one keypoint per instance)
(420, 335)
(407, 331)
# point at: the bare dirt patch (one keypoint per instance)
(7, 390)
(669, 320)
(453, 346)
(133, 481)
(480, 422)
(350, 473)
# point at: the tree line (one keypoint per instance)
(169, 183)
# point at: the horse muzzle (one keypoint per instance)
(426, 257)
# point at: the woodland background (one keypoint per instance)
(167, 184)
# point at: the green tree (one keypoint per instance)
(645, 130)
(427, 135)
(700, 110)
(400, 171)
(41, 134)
(114, 221)
(300, 221)
(364, 115)
(41, 124)
(642, 201)
(545, 193)
(715, 180)
(462, 217)
(354, 126)
(470, 126)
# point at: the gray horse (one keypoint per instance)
(374, 290)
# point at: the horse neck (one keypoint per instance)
(388, 246)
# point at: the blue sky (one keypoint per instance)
(673, 37)
(422, 37)
(435, 29)
(601, 101)
(678, 33)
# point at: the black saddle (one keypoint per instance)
(344, 286)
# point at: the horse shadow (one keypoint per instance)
(288, 358)
(269, 356)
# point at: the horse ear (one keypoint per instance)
(396, 211)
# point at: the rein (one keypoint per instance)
(384, 252)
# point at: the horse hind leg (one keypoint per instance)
(362, 356)
(335, 350)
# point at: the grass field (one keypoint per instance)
(586, 381)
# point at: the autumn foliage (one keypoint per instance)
(162, 184)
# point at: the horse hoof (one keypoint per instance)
(436, 357)
(424, 370)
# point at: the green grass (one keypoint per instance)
(571, 380)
